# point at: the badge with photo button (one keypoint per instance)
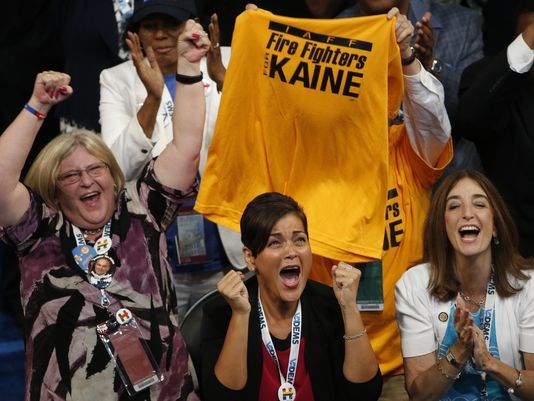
(83, 254)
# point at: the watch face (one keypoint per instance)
(452, 360)
(436, 66)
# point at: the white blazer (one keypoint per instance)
(121, 96)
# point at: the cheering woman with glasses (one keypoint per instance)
(73, 176)
(75, 213)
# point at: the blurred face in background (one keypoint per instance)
(523, 20)
(324, 8)
(161, 32)
(373, 7)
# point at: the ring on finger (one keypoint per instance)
(216, 45)
(344, 265)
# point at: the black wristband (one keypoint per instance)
(189, 79)
(410, 59)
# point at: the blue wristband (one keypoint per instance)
(36, 113)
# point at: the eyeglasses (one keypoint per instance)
(73, 176)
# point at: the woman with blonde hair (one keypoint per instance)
(73, 211)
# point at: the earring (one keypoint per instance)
(496, 239)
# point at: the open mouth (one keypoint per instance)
(290, 276)
(470, 231)
(91, 198)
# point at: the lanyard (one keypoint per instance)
(80, 240)
(287, 388)
(487, 319)
(101, 247)
(487, 323)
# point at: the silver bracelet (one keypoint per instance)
(354, 337)
(444, 374)
(518, 383)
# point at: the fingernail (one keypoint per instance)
(195, 36)
(63, 90)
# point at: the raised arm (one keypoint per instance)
(427, 123)
(231, 366)
(360, 364)
(425, 116)
(15, 143)
(177, 166)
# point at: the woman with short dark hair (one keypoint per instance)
(279, 335)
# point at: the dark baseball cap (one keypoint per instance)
(180, 9)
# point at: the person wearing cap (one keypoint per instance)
(496, 112)
(136, 111)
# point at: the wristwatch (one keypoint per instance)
(436, 67)
(410, 59)
(452, 360)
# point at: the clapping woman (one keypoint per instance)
(466, 314)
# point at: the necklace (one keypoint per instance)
(472, 301)
(91, 232)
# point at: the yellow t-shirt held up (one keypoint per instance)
(304, 112)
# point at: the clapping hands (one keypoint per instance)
(424, 41)
(149, 73)
(463, 323)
